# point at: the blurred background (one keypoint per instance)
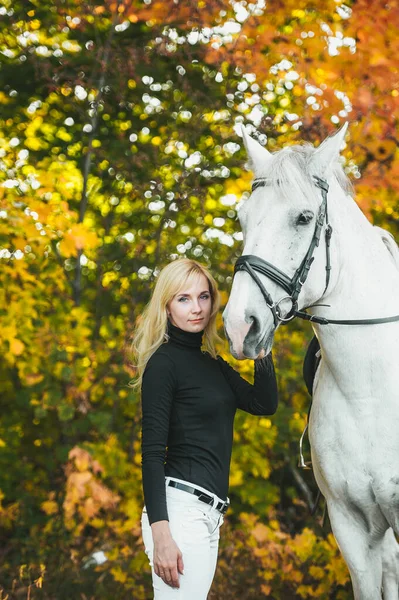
(119, 151)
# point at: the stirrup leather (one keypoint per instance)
(302, 464)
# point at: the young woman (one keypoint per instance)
(189, 399)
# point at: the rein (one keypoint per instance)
(292, 285)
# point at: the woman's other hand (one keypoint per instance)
(168, 560)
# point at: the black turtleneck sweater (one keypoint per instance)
(189, 401)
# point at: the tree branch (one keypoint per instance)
(88, 159)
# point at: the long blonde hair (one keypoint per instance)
(151, 329)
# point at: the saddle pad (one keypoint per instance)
(311, 362)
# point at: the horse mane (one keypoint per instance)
(294, 168)
(390, 244)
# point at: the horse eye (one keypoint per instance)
(305, 217)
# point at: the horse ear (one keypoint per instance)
(328, 151)
(257, 154)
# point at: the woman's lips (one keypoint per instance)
(195, 320)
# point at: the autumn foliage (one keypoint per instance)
(119, 151)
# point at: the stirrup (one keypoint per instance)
(302, 464)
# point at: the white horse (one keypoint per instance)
(351, 274)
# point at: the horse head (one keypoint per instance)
(285, 212)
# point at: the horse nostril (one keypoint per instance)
(255, 326)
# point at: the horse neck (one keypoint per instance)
(365, 285)
(367, 281)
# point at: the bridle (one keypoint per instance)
(292, 285)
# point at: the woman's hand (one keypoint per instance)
(168, 560)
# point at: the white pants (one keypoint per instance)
(194, 526)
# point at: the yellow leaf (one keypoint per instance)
(33, 378)
(49, 507)
(16, 347)
(210, 204)
(119, 575)
(316, 572)
(236, 478)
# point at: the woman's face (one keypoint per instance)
(190, 309)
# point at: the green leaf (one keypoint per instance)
(66, 411)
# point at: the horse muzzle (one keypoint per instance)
(251, 337)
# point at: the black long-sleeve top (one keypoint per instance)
(189, 401)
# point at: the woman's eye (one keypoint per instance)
(205, 297)
(182, 299)
(305, 217)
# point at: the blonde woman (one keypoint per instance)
(189, 399)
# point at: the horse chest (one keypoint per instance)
(359, 426)
(355, 450)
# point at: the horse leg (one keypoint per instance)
(390, 566)
(363, 558)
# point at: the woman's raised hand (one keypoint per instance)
(168, 560)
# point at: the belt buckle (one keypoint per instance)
(224, 507)
(205, 498)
